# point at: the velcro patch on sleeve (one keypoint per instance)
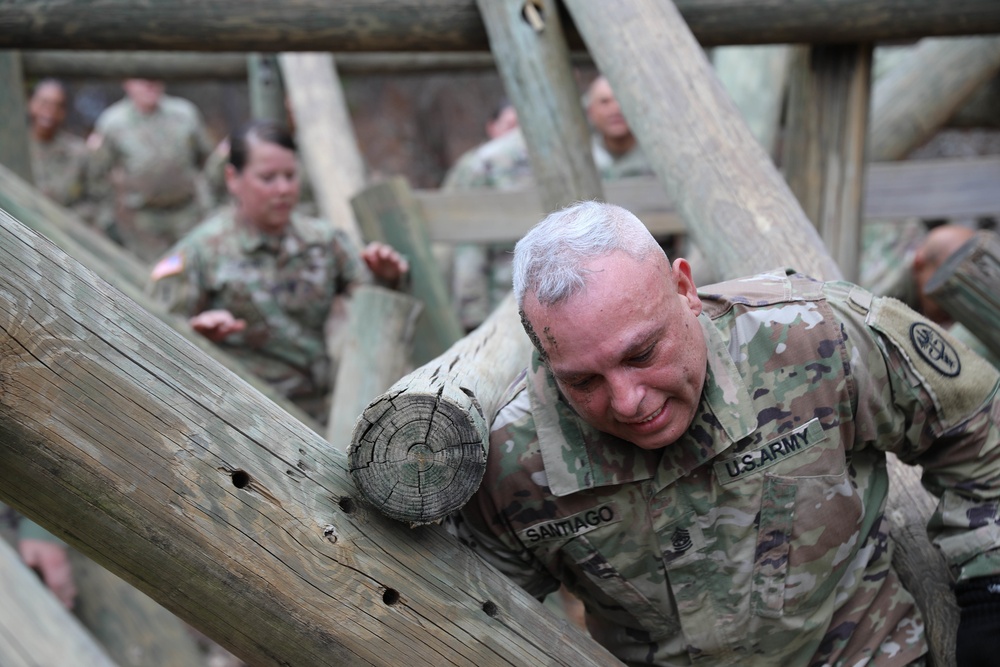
(958, 380)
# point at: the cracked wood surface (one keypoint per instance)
(133, 446)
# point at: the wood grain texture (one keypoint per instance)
(159, 464)
(535, 67)
(35, 630)
(918, 95)
(723, 183)
(756, 78)
(824, 143)
(267, 92)
(419, 450)
(448, 25)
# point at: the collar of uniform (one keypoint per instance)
(577, 456)
(252, 239)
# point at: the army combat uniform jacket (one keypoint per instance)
(759, 537)
(282, 286)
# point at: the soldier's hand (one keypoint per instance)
(215, 325)
(50, 561)
(385, 263)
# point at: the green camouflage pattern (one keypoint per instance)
(59, 171)
(283, 287)
(759, 537)
(145, 169)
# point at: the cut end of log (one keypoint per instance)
(418, 457)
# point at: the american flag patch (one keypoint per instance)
(170, 265)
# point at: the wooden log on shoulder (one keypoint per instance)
(34, 628)
(967, 286)
(134, 447)
(376, 350)
(419, 450)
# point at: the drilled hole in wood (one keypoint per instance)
(240, 478)
(491, 609)
(390, 597)
(346, 504)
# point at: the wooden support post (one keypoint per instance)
(136, 448)
(532, 55)
(116, 266)
(376, 351)
(449, 25)
(918, 95)
(389, 213)
(325, 135)
(34, 628)
(419, 450)
(134, 630)
(14, 153)
(824, 147)
(267, 94)
(756, 78)
(967, 286)
(724, 185)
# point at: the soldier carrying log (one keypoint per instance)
(706, 469)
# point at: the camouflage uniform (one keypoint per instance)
(481, 275)
(626, 165)
(59, 169)
(152, 161)
(760, 536)
(283, 287)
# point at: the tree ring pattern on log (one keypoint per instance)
(418, 456)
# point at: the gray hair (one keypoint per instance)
(548, 261)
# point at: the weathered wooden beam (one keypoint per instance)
(267, 93)
(756, 78)
(14, 153)
(938, 188)
(34, 628)
(925, 88)
(177, 65)
(824, 143)
(449, 25)
(723, 183)
(159, 464)
(530, 47)
(967, 286)
(325, 135)
(376, 350)
(388, 212)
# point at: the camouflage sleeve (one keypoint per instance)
(347, 258)
(202, 144)
(926, 397)
(175, 281)
(466, 174)
(100, 161)
(481, 526)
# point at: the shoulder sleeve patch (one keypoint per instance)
(958, 380)
(170, 265)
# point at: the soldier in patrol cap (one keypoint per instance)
(706, 469)
(259, 279)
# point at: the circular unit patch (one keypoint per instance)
(935, 350)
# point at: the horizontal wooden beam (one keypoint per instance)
(953, 188)
(197, 65)
(448, 25)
